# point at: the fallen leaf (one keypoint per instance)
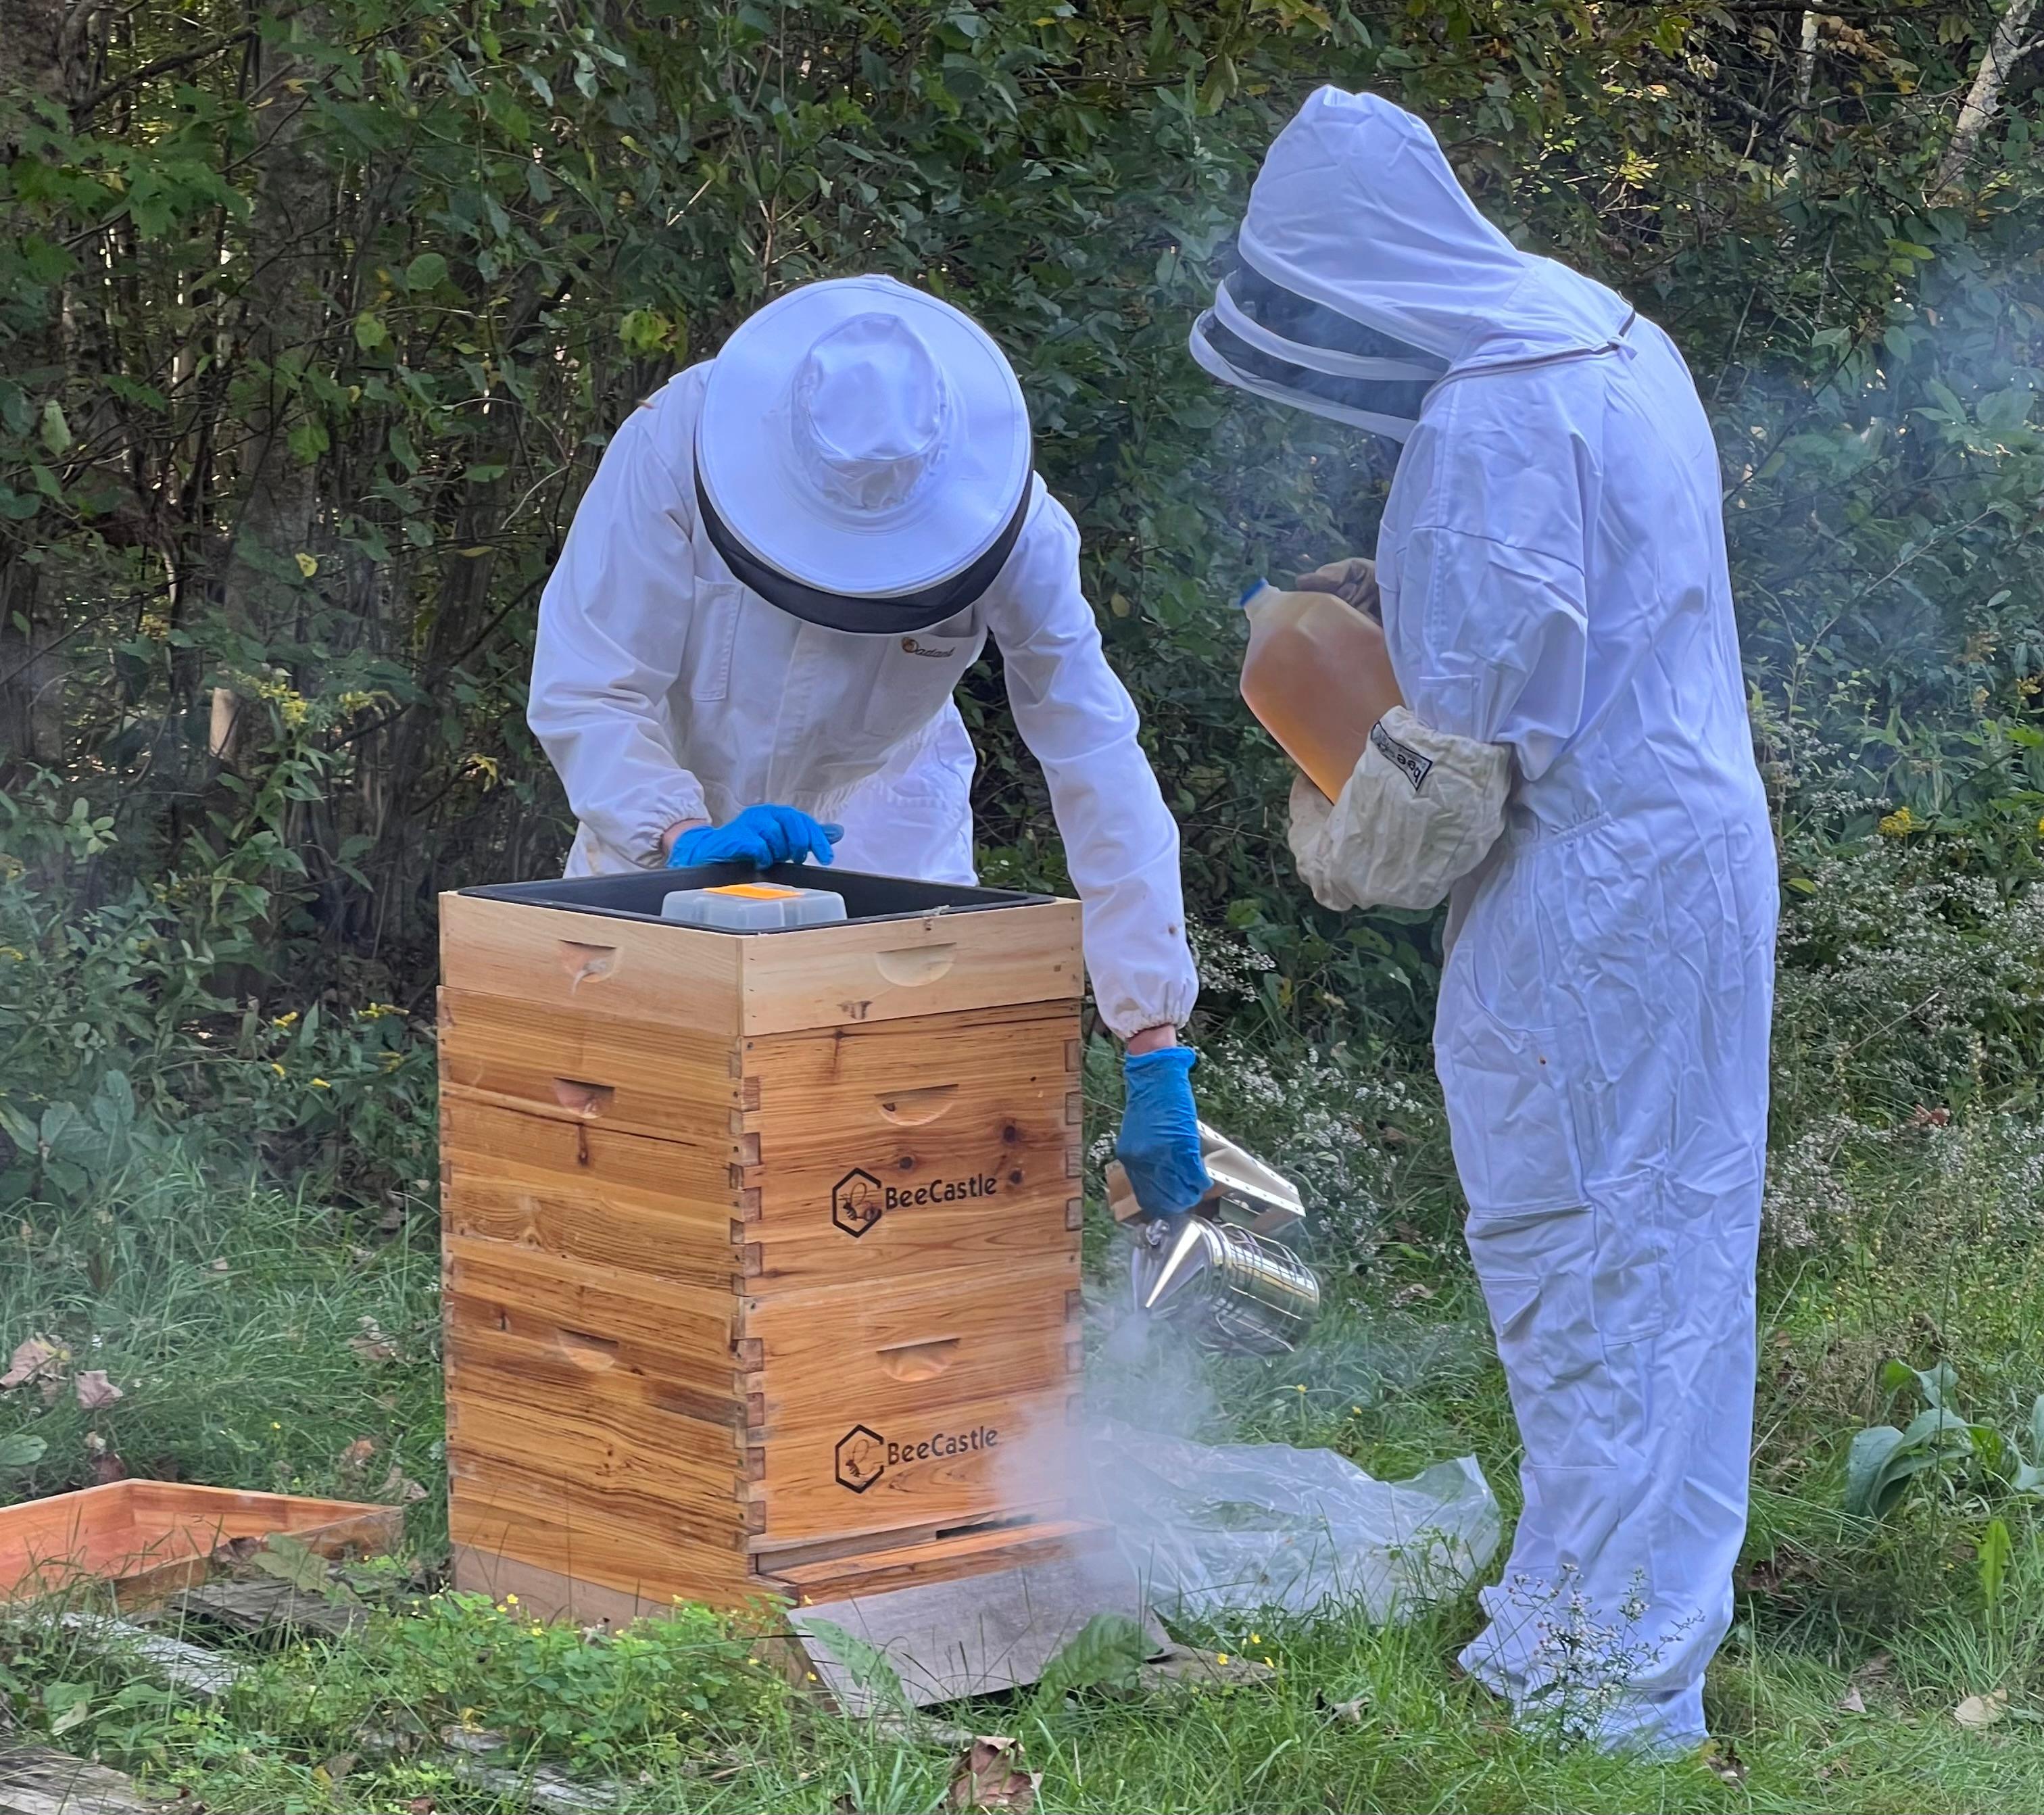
(1411, 1294)
(1978, 1711)
(1721, 1759)
(1763, 1576)
(985, 1777)
(1874, 1669)
(1351, 1713)
(1851, 1702)
(357, 1457)
(399, 1485)
(95, 1390)
(1181, 1667)
(107, 1469)
(290, 1559)
(421, 1805)
(37, 1359)
(334, 1769)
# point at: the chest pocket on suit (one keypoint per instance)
(713, 634)
(916, 675)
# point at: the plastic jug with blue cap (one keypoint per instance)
(1318, 675)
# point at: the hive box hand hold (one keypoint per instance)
(761, 1247)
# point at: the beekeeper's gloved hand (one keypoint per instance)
(1159, 1145)
(760, 835)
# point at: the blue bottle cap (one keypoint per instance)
(1250, 591)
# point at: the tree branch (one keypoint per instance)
(1780, 123)
(161, 66)
(2005, 49)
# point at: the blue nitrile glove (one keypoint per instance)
(1159, 1145)
(760, 835)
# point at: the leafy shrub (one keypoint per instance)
(1940, 1445)
(129, 1004)
(1908, 979)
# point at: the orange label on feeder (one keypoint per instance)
(755, 892)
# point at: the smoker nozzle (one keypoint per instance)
(1189, 1254)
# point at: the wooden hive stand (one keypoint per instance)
(762, 1252)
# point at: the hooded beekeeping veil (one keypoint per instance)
(1367, 276)
(862, 457)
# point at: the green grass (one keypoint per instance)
(319, 1334)
(259, 1340)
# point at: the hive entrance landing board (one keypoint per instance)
(973, 1635)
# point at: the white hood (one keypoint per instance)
(1356, 208)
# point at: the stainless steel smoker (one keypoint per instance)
(1218, 1273)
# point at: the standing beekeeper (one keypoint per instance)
(788, 559)
(1572, 766)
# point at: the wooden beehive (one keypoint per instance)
(761, 1250)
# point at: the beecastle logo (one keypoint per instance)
(863, 1455)
(855, 1202)
(859, 1199)
(941, 1191)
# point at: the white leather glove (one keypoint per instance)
(1422, 810)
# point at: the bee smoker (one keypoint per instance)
(1217, 1272)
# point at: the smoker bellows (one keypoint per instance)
(762, 1249)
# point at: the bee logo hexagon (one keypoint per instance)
(862, 1457)
(856, 1202)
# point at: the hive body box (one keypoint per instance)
(761, 1251)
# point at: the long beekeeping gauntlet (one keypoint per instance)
(1421, 810)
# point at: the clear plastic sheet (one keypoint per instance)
(1233, 1528)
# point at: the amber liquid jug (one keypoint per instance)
(1318, 675)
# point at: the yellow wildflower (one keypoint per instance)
(321, 1084)
(1899, 824)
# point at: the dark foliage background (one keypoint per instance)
(314, 321)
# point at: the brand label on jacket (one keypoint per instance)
(863, 1455)
(1402, 757)
(858, 1200)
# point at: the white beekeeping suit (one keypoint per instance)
(1553, 581)
(860, 435)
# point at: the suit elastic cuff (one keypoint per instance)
(1170, 1006)
(642, 840)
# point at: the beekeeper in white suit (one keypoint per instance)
(788, 559)
(1558, 619)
